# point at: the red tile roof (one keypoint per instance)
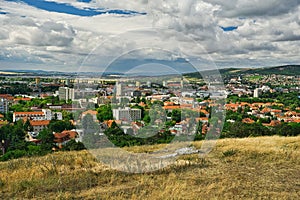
(28, 113)
(92, 112)
(39, 123)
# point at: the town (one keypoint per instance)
(41, 114)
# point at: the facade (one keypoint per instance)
(66, 93)
(37, 116)
(118, 89)
(257, 92)
(3, 105)
(39, 125)
(127, 114)
(45, 114)
(92, 113)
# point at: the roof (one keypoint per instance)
(28, 113)
(23, 99)
(248, 121)
(39, 123)
(92, 112)
(60, 135)
(171, 107)
(201, 119)
(72, 134)
(109, 122)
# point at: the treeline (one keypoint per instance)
(242, 130)
(14, 144)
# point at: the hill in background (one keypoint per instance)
(289, 70)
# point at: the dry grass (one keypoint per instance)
(252, 168)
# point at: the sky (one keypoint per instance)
(91, 35)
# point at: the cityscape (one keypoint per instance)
(171, 105)
(150, 99)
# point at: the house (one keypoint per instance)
(170, 108)
(110, 122)
(91, 112)
(39, 125)
(61, 139)
(45, 114)
(248, 121)
(30, 115)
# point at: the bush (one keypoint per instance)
(72, 145)
(13, 154)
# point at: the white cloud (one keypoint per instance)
(268, 31)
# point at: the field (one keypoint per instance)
(252, 168)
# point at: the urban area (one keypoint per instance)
(42, 114)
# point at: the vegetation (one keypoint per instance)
(253, 168)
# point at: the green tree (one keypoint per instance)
(47, 140)
(104, 113)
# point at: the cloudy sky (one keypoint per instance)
(89, 35)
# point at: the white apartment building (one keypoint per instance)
(127, 114)
(3, 105)
(45, 114)
(66, 93)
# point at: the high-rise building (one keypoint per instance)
(3, 105)
(257, 92)
(66, 93)
(127, 114)
(118, 89)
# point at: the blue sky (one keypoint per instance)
(69, 9)
(62, 34)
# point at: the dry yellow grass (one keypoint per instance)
(252, 168)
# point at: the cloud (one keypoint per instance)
(268, 32)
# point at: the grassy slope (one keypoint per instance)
(252, 168)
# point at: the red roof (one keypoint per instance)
(171, 107)
(39, 123)
(92, 112)
(28, 113)
(23, 99)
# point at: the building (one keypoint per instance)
(66, 93)
(3, 105)
(39, 125)
(64, 137)
(29, 115)
(127, 114)
(257, 92)
(45, 114)
(92, 113)
(118, 89)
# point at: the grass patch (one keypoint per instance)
(248, 168)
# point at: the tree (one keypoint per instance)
(47, 140)
(72, 145)
(176, 115)
(104, 113)
(59, 126)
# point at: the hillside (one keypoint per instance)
(252, 168)
(279, 70)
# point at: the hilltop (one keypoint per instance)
(280, 70)
(289, 70)
(250, 168)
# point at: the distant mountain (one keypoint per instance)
(281, 70)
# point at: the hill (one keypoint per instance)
(279, 70)
(251, 168)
